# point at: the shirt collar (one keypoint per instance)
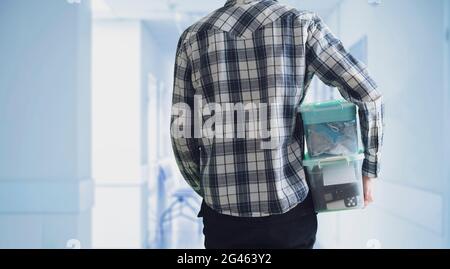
(240, 2)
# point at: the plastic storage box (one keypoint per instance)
(330, 128)
(335, 182)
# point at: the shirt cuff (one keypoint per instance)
(371, 167)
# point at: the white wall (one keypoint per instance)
(406, 56)
(45, 187)
(124, 54)
(116, 134)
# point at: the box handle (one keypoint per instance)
(329, 104)
(333, 159)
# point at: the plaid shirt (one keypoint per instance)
(262, 52)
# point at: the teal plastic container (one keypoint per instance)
(330, 111)
(330, 128)
(335, 183)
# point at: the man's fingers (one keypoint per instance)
(368, 198)
(367, 186)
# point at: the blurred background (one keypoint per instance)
(85, 97)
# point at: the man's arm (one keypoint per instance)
(184, 144)
(327, 58)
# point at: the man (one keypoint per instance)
(253, 183)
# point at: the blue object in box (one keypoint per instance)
(330, 128)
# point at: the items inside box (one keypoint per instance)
(336, 187)
(332, 138)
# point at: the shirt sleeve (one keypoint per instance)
(184, 144)
(327, 58)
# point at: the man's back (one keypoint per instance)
(243, 71)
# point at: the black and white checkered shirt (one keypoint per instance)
(259, 52)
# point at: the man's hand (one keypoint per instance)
(368, 190)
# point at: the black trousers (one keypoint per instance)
(295, 229)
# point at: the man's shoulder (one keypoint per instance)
(201, 24)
